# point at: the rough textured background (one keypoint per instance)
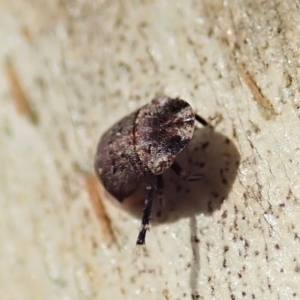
(70, 69)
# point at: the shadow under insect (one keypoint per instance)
(210, 154)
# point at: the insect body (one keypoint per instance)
(141, 146)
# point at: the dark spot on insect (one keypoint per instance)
(215, 195)
(224, 180)
(114, 170)
(200, 165)
(205, 145)
(142, 146)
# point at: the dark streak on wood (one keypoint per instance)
(91, 183)
(260, 98)
(18, 94)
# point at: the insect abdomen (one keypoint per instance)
(117, 164)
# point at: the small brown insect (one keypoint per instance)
(143, 145)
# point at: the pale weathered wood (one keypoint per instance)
(72, 68)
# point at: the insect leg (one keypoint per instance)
(183, 175)
(160, 188)
(151, 191)
(201, 120)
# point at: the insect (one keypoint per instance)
(141, 147)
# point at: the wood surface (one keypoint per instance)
(70, 69)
